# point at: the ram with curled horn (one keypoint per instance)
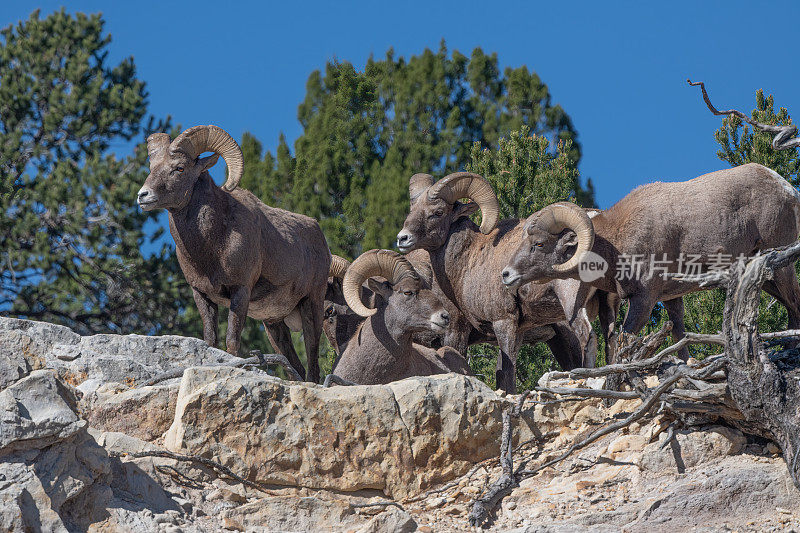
(382, 349)
(657, 237)
(465, 260)
(235, 251)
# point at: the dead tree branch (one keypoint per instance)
(652, 397)
(503, 486)
(484, 505)
(255, 359)
(213, 465)
(643, 364)
(764, 386)
(784, 134)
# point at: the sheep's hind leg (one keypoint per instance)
(506, 371)
(675, 314)
(281, 340)
(311, 313)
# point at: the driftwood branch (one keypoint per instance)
(213, 465)
(641, 355)
(765, 386)
(784, 134)
(501, 488)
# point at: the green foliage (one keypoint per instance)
(365, 133)
(741, 144)
(70, 233)
(526, 177)
(61, 101)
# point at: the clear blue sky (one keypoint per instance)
(618, 68)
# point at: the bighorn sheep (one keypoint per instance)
(235, 251)
(382, 351)
(465, 260)
(341, 322)
(715, 217)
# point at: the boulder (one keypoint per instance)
(106, 358)
(392, 519)
(36, 411)
(145, 413)
(399, 438)
(53, 473)
(692, 448)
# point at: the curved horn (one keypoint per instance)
(199, 139)
(418, 184)
(474, 187)
(339, 266)
(384, 263)
(557, 217)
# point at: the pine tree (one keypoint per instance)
(365, 133)
(70, 230)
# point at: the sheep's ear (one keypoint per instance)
(382, 288)
(566, 244)
(464, 210)
(207, 162)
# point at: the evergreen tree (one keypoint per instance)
(365, 133)
(70, 230)
(524, 174)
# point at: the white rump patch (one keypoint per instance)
(791, 191)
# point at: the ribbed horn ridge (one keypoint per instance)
(474, 187)
(339, 266)
(382, 263)
(199, 139)
(418, 184)
(559, 216)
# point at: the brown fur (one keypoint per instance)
(382, 351)
(735, 211)
(235, 251)
(466, 268)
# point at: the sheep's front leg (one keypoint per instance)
(508, 342)
(209, 313)
(240, 300)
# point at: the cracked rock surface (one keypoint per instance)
(72, 416)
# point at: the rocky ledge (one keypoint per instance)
(85, 446)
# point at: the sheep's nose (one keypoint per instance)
(510, 276)
(402, 239)
(143, 194)
(445, 316)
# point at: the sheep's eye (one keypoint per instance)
(539, 244)
(409, 293)
(439, 212)
(179, 169)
